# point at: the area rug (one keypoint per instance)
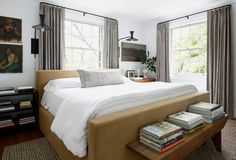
(40, 149)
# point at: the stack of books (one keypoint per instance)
(25, 104)
(25, 89)
(190, 122)
(6, 123)
(7, 90)
(27, 120)
(6, 106)
(161, 136)
(210, 112)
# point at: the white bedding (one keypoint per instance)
(79, 105)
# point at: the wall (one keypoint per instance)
(125, 26)
(150, 38)
(27, 10)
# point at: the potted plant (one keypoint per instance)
(150, 64)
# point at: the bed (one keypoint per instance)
(108, 134)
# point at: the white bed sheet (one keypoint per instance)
(82, 104)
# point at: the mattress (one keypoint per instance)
(74, 107)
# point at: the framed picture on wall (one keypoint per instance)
(10, 58)
(10, 30)
(133, 52)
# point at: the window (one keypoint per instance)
(82, 45)
(188, 54)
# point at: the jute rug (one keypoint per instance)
(40, 149)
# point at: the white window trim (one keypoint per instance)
(191, 78)
(100, 39)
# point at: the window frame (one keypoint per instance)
(197, 79)
(81, 48)
(172, 74)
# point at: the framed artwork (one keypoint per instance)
(130, 73)
(10, 58)
(10, 30)
(133, 52)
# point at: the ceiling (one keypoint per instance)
(142, 10)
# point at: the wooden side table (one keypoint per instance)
(191, 142)
(144, 80)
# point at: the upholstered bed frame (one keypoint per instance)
(108, 135)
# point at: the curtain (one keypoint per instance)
(52, 42)
(218, 58)
(163, 73)
(111, 44)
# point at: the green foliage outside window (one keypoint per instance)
(189, 49)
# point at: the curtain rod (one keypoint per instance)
(194, 14)
(72, 9)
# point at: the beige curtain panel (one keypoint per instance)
(52, 42)
(219, 52)
(111, 44)
(163, 73)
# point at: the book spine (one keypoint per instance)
(172, 145)
(162, 141)
(220, 116)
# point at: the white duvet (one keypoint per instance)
(82, 104)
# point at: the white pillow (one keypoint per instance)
(52, 85)
(93, 79)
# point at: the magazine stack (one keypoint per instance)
(210, 112)
(161, 136)
(190, 122)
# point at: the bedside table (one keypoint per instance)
(144, 80)
(23, 114)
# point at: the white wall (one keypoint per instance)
(150, 38)
(27, 10)
(125, 26)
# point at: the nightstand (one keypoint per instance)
(144, 80)
(21, 111)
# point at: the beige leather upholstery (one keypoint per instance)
(108, 135)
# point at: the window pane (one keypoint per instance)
(82, 43)
(189, 53)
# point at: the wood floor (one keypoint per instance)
(20, 137)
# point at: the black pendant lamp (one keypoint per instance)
(130, 38)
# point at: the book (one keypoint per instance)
(161, 141)
(7, 92)
(185, 117)
(6, 123)
(23, 89)
(188, 126)
(7, 89)
(194, 129)
(220, 116)
(153, 145)
(161, 130)
(207, 114)
(25, 104)
(7, 108)
(204, 106)
(161, 146)
(5, 103)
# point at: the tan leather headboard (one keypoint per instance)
(43, 76)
